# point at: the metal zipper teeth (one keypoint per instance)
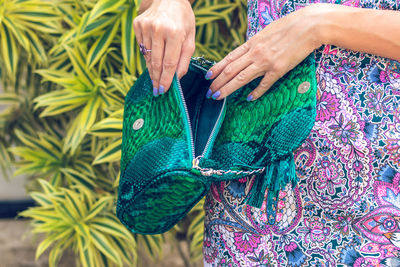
(187, 117)
(211, 137)
(190, 124)
(216, 123)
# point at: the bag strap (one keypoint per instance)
(211, 172)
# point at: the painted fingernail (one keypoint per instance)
(161, 90)
(249, 98)
(155, 92)
(216, 95)
(209, 93)
(208, 75)
(152, 82)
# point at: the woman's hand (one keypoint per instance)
(167, 27)
(271, 53)
(284, 43)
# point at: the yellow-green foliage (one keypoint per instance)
(65, 67)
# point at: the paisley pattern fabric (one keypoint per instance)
(345, 211)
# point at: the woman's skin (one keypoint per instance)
(168, 28)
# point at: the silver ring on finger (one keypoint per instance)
(143, 50)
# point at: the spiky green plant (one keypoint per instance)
(65, 68)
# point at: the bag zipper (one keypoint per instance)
(216, 126)
(196, 160)
(187, 121)
(189, 125)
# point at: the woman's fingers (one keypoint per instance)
(242, 78)
(166, 52)
(140, 26)
(230, 72)
(157, 57)
(172, 53)
(167, 27)
(147, 44)
(186, 54)
(271, 53)
(139, 38)
(242, 66)
(269, 79)
(218, 68)
(175, 59)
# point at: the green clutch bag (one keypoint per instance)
(175, 145)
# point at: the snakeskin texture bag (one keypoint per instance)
(175, 145)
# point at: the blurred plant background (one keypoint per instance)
(65, 67)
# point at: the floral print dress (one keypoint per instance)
(345, 210)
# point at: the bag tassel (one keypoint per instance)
(260, 184)
(277, 175)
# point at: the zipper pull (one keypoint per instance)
(196, 162)
(204, 171)
(195, 166)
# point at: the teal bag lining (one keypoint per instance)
(203, 112)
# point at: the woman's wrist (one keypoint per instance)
(330, 20)
(307, 22)
(321, 19)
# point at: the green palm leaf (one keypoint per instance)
(105, 6)
(215, 12)
(95, 27)
(111, 153)
(81, 125)
(103, 244)
(101, 45)
(77, 57)
(17, 32)
(9, 51)
(128, 38)
(109, 127)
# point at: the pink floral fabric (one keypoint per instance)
(345, 211)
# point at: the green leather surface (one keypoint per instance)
(158, 185)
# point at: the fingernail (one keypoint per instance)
(216, 95)
(161, 90)
(152, 82)
(155, 92)
(249, 98)
(208, 74)
(209, 93)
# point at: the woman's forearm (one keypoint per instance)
(359, 29)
